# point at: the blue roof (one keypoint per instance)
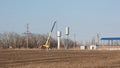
(112, 38)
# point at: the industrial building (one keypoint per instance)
(110, 43)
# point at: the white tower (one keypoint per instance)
(67, 34)
(67, 30)
(58, 35)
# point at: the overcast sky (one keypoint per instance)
(86, 18)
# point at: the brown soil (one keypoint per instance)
(59, 59)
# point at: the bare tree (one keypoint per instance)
(14, 40)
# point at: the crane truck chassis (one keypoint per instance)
(47, 46)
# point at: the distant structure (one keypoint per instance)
(98, 39)
(93, 47)
(83, 47)
(59, 36)
(67, 34)
(111, 40)
(110, 43)
(74, 40)
(27, 33)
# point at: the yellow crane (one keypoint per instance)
(47, 41)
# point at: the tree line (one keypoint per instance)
(15, 40)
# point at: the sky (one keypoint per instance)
(86, 18)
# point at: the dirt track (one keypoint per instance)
(59, 59)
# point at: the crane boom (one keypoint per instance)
(46, 44)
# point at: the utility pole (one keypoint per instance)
(98, 39)
(74, 40)
(27, 33)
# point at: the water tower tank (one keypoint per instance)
(67, 30)
(58, 33)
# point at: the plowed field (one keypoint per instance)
(59, 59)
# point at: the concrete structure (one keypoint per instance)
(67, 30)
(93, 47)
(58, 35)
(67, 34)
(83, 47)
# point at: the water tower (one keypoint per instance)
(58, 35)
(67, 34)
